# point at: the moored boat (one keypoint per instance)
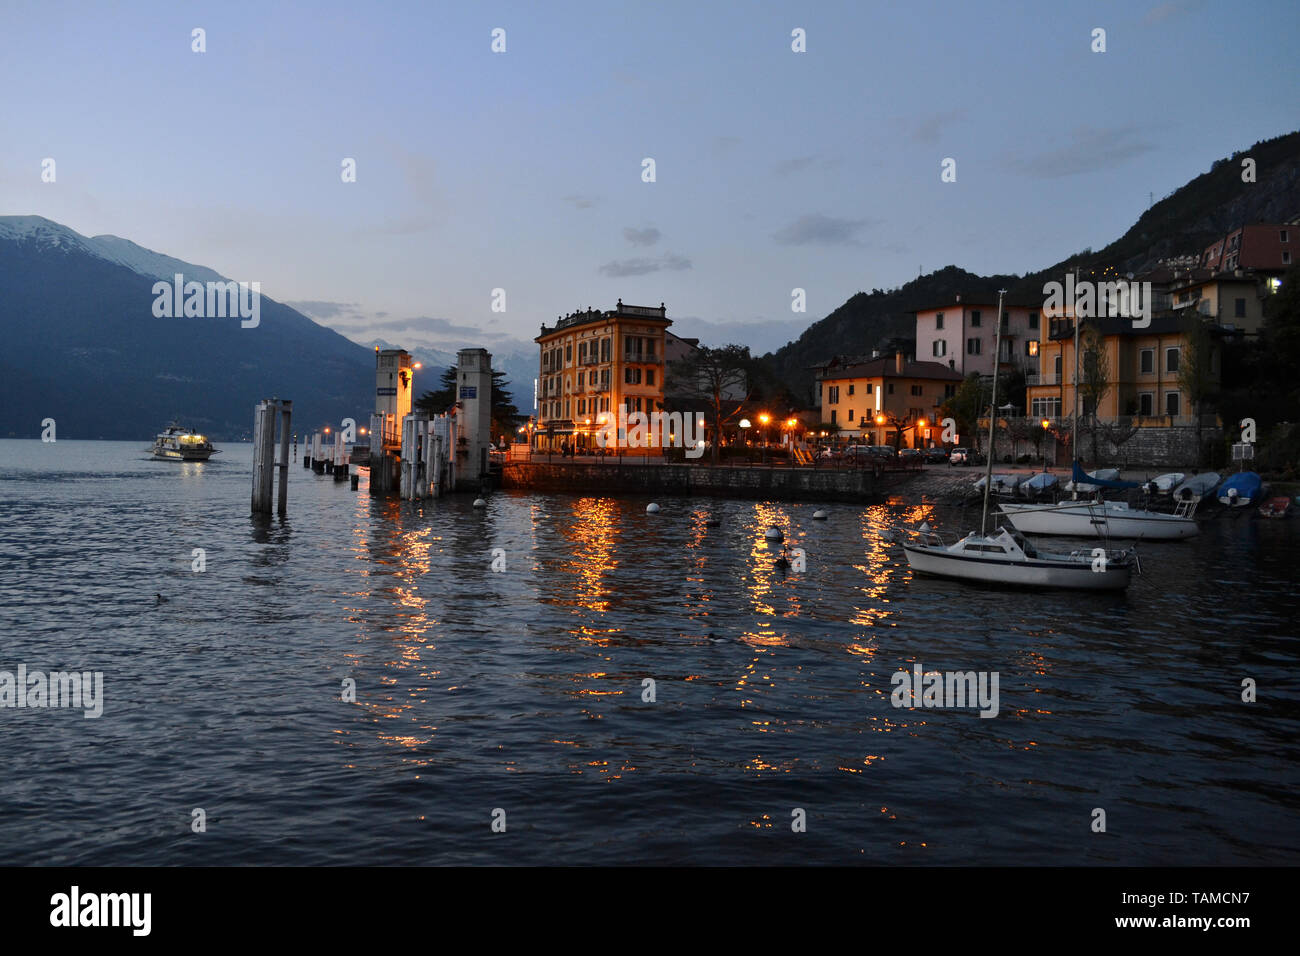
(1164, 484)
(1276, 507)
(1197, 486)
(1241, 490)
(175, 443)
(1100, 519)
(1005, 557)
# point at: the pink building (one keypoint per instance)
(961, 334)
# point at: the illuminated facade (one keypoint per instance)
(593, 361)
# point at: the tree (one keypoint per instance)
(967, 405)
(505, 416)
(1095, 381)
(1194, 364)
(710, 376)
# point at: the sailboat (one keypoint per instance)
(1005, 556)
(1094, 517)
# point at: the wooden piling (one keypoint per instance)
(286, 413)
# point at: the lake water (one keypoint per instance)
(521, 690)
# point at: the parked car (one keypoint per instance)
(959, 456)
(885, 452)
(857, 454)
(827, 454)
(910, 456)
(936, 455)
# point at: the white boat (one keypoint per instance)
(1008, 558)
(1164, 484)
(1101, 519)
(1002, 484)
(1198, 486)
(1038, 484)
(175, 443)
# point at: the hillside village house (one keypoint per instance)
(1226, 290)
(904, 391)
(961, 334)
(593, 361)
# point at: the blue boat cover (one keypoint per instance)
(1081, 477)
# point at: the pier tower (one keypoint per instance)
(474, 411)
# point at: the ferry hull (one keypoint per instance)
(1095, 521)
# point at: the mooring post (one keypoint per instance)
(286, 413)
(263, 456)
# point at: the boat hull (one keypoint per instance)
(1098, 521)
(1080, 576)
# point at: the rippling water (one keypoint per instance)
(522, 690)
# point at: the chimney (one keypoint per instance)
(898, 362)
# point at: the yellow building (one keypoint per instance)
(905, 393)
(593, 361)
(1142, 369)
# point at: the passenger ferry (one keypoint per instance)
(180, 444)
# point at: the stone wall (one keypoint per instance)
(782, 484)
(1174, 447)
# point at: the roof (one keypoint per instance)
(885, 368)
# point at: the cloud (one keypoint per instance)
(928, 129)
(641, 237)
(1172, 8)
(639, 267)
(580, 202)
(1090, 150)
(324, 310)
(816, 229)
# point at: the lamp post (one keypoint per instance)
(763, 419)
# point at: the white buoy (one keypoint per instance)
(820, 515)
(774, 534)
(480, 503)
(652, 509)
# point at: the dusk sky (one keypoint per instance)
(522, 170)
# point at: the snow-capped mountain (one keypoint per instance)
(38, 231)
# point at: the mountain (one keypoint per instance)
(82, 346)
(1184, 222)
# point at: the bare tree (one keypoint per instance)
(710, 376)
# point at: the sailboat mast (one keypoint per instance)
(1074, 411)
(993, 411)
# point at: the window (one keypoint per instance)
(891, 389)
(582, 351)
(975, 319)
(1006, 321)
(631, 376)
(973, 346)
(1241, 308)
(938, 319)
(1031, 347)
(1286, 257)
(568, 353)
(869, 388)
(1146, 404)
(1171, 359)
(939, 347)
(832, 416)
(917, 390)
(850, 418)
(1173, 404)
(604, 349)
(832, 394)
(649, 376)
(1046, 407)
(1056, 365)
(949, 391)
(850, 392)
(1033, 320)
(1282, 236)
(1147, 360)
(581, 378)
